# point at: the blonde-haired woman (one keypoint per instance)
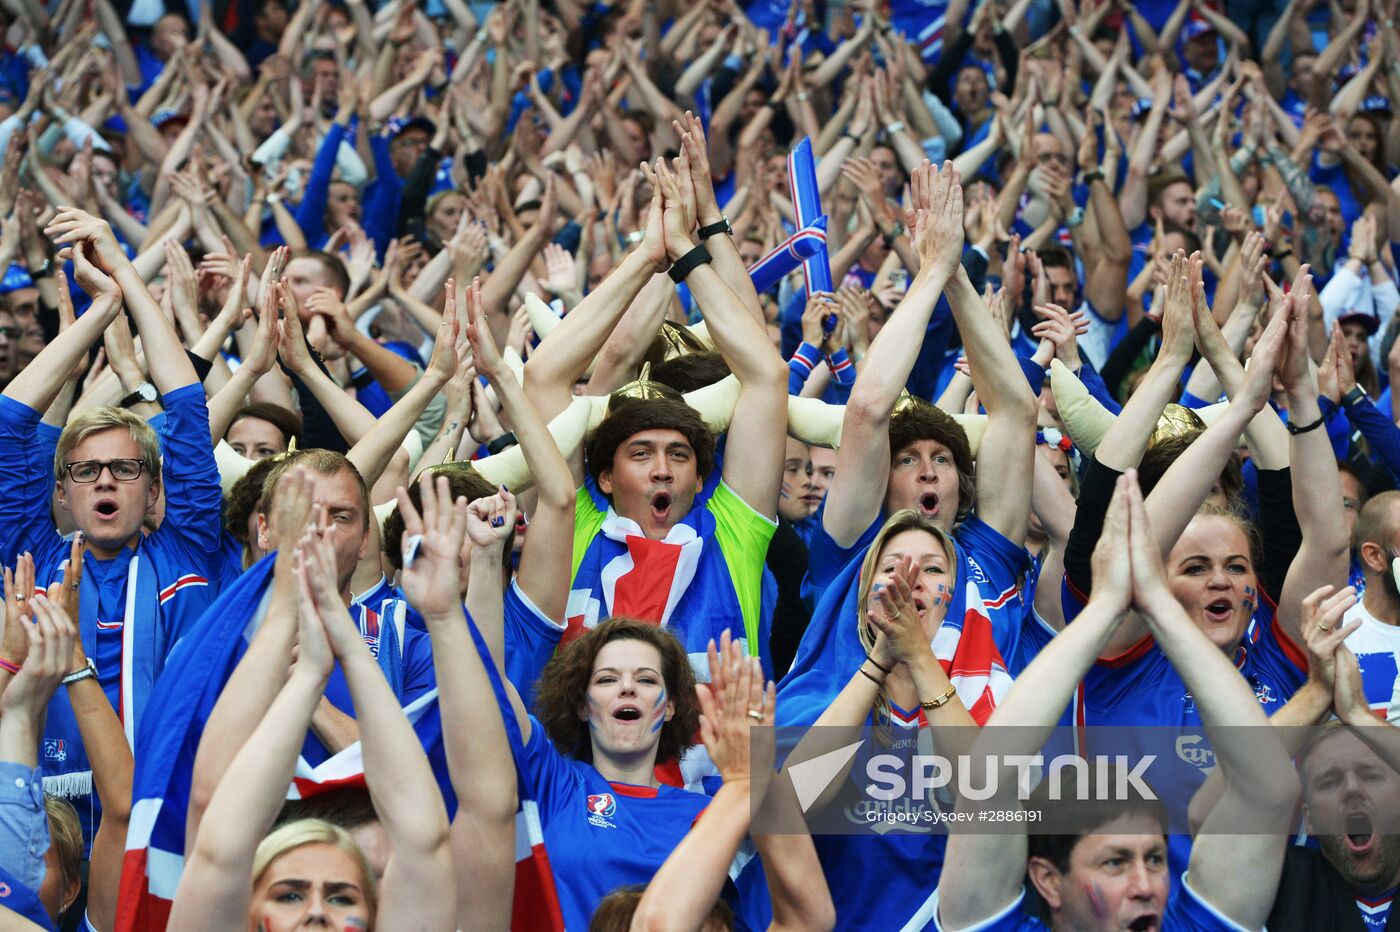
(878, 654)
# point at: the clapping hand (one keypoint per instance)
(735, 701)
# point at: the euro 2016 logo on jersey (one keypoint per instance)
(55, 749)
(600, 807)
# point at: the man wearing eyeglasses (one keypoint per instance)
(140, 591)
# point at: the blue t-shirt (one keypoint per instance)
(1140, 687)
(418, 677)
(1185, 912)
(599, 835)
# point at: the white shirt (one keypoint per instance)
(1377, 648)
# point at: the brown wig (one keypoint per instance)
(691, 371)
(629, 416)
(562, 689)
(463, 482)
(615, 912)
(918, 420)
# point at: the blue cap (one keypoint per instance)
(16, 277)
(1141, 107)
(1375, 104)
(1195, 28)
(399, 125)
(162, 117)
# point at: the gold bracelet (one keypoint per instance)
(941, 701)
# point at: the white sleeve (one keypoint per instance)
(1339, 295)
(273, 147)
(351, 166)
(948, 126)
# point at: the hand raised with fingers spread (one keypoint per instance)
(1178, 330)
(67, 598)
(730, 711)
(486, 356)
(19, 589)
(50, 651)
(432, 549)
(70, 226)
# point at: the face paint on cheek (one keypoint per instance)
(1249, 599)
(593, 714)
(658, 712)
(1096, 901)
(940, 596)
(355, 925)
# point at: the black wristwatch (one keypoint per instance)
(716, 228)
(1353, 396)
(688, 263)
(145, 392)
(43, 271)
(504, 441)
(895, 232)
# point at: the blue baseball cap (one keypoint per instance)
(16, 277)
(1195, 28)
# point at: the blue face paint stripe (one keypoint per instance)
(659, 708)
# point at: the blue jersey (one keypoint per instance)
(134, 606)
(1375, 910)
(531, 639)
(923, 23)
(1185, 912)
(412, 677)
(599, 835)
(1141, 687)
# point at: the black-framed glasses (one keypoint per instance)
(10, 333)
(85, 471)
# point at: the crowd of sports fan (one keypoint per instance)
(414, 517)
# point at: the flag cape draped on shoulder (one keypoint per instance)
(166, 742)
(830, 651)
(195, 674)
(16, 898)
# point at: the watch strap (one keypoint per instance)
(715, 229)
(689, 262)
(502, 442)
(1353, 396)
(88, 672)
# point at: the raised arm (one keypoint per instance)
(549, 545)
(158, 337)
(1235, 873)
(1324, 555)
(249, 692)
(983, 872)
(216, 888)
(478, 753)
(682, 893)
(38, 384)
(562, 359)
(757, 432)
(1005, 457)
(863, 461)
(406, 798)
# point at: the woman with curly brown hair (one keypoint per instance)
(608, 707)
